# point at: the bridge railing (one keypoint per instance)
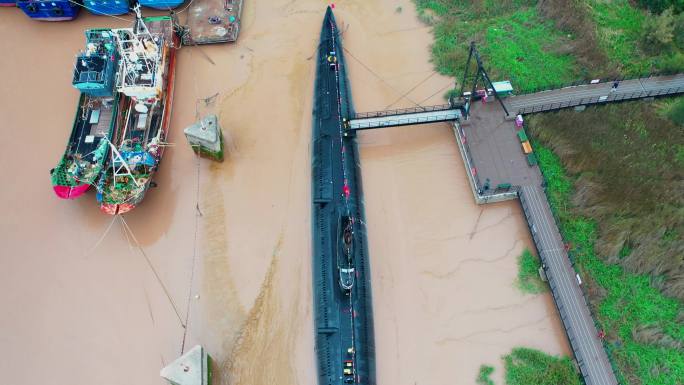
(571, 257)
(403, 111)
(612, 97)
(584, 82)
(391, 122)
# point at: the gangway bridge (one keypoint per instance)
(406, 116)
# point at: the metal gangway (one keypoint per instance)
(404, 117)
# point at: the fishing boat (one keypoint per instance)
(95, 120)
(345, 251)
(107, 7)
(50, 10)
(161, 4)
(146, 78)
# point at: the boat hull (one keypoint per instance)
(58, 10)
(116, 209)
(161, 4)
(70, 192)
(107, 7)
(8, 3)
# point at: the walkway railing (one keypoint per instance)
(402, 120)
(612, 97)
(585, 82)
(403, 111)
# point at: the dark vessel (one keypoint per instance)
(341, 274)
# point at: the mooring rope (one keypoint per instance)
(97, 244)
(378, 76)
(198, 213)
(151, 266)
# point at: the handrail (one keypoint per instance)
(587, 82)
(613, 97)
(404, 111)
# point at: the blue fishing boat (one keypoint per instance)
(107, 7)
(50, 10)
(161, 4)
(97, 116)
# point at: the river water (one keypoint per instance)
(231, 242)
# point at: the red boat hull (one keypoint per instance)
(115, 209)
(70, 192)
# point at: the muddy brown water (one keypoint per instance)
(81, 306)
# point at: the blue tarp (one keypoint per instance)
(135, 158)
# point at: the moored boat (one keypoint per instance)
(96, 116)
(146, 78)
(161, 4)
(107, 7)
(50, 10)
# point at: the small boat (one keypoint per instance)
(345, 251)
(146, 78)
(8, 3)
(50, 10)
(161, 4)
(95, 122)
(107, 7)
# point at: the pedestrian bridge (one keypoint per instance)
(404, 117)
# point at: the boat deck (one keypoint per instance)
(213, 21)
(343, 318)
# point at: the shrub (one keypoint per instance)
(676, 112)
(528, 274)
(483, 376)
(659, 31)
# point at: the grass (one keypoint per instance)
(526, 366)
(627, 162)
(483, 375)
(541, 45)
(528, 274)
(516, 43)
(644, 332)
(621, 34)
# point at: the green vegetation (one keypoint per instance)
(528, 274)
(543, 44)
(483, 375)
(644, 332)
(675, 112)
(526, 366)
(518, 44)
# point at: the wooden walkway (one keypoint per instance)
(565, 287)
(596, 94)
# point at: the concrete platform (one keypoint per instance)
(213, 21)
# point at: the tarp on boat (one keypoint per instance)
(135, 158)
